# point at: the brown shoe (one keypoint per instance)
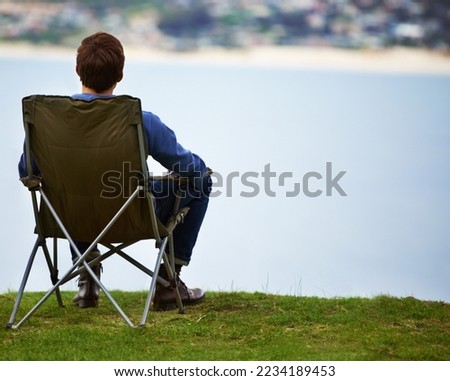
(165, 296)
(88, 291)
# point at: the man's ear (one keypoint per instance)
(120, 77)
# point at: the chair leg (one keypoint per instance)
(151, 291)
(94, 277)
(53, 268)
(10, 323)
(176, 290)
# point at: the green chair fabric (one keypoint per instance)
(93, 186)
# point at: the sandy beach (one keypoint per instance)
(396, 60)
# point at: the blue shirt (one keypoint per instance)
(162, 146)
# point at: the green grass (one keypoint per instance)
(232, 326)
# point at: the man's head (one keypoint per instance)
(100, 61)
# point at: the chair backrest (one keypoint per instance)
(91, 156)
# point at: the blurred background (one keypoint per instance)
(363, 84)
(192, 24)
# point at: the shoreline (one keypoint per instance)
(395, 60)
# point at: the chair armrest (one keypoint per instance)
(175, 177)
(32, 182)
(172, 176)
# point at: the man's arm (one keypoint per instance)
(165, 149)
(22, 166)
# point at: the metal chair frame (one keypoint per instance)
(164, 242)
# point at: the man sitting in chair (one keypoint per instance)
(99, 64)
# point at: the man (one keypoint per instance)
(99, 64)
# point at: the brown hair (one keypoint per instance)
(100, 61)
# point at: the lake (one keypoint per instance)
(327, 183)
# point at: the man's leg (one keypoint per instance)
(184, 236)
(88, 291)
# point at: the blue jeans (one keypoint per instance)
(185, 234)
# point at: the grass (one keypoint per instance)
(232, 326)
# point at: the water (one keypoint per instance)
(389, 132)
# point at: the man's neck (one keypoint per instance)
(87, 90)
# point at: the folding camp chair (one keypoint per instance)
(93, 186)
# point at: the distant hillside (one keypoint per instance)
(189, 24)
